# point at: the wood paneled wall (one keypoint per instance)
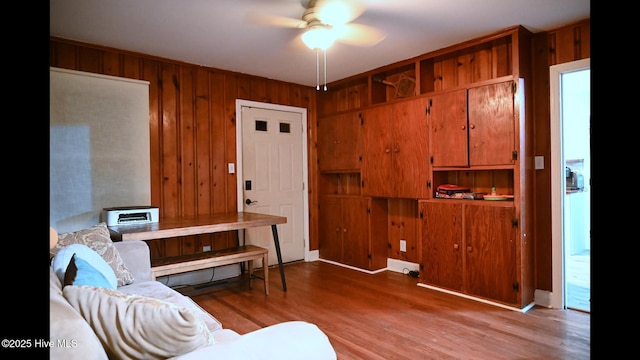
(192, 124)
(565, 44)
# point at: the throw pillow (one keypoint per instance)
(77, 264)
(137, 327)
(80, 272)
(98, 239)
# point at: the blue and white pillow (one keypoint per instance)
(77, 264)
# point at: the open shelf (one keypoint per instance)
(478, 181)
(339, 184)
(388, 85)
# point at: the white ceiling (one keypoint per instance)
(215, 33)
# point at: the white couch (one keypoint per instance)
(73, 337)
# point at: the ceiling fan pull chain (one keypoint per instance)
(325, 69)
(317, 69)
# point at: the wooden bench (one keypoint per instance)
(204, 260)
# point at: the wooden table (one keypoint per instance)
(202, 224)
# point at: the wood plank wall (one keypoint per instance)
(192, 125)
(565, 44)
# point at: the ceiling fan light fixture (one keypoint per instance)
(319, 38)
(335, 13)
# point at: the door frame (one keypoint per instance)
(308, 255)
(557, 295)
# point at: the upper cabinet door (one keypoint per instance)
(448, 129)
(377, 152)
(339, 142)
(492, 124)
(395, 161)
(410, 149)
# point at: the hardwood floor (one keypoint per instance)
(387, 316)
(578, 269)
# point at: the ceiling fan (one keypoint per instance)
(326, 21)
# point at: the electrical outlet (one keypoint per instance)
(206, 248)
(403, 245)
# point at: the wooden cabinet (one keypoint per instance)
(331, 227)
(472, 248)
(479, 248)
(490, 253)
(395, 150)
(474, 127)
(441, 244)
(350, 229)
(492, 124)
(448, 129)
(467, 124)
(339, 142)
(377, 156)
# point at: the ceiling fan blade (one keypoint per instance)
(282, 21)
(338, 12)
(359, 35)
(296, 45)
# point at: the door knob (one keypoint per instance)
(249, 202)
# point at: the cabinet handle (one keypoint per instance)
(472, 126)
(456, 246)
(469, 248)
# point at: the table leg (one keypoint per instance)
(265, 268)
(276, 241)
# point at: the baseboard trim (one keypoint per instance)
(353, 267)
(542, 298)
(401, 266)
(523, 310)
(312, 255)
(404, 267)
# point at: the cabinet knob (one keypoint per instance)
(337, 229)
(469, 248)
(456, 246)
(344, 230)
(472, 126)
(396, 150)
(463, 127)
(387, 150)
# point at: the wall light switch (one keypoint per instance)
(232, 168)
(403, 245)
(539, 162)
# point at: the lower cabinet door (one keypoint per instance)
(471, 249)
(490, 253)
(353, 231)
(442, 244)
(330, 228)
(355, 223)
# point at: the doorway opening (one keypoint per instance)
(571, 185)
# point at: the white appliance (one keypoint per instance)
(129, 215)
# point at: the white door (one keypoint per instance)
(272, 176)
